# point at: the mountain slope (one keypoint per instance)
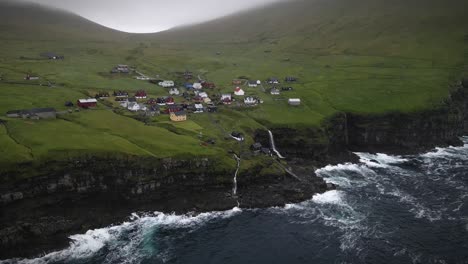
(32, 21)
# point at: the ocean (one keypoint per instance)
(386, 209)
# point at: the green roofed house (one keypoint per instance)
(34, 113)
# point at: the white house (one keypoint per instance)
(197, 86)
(132, 106)
(207, 100)
(294, 101)
(239, 92)
(275, 91)
(249, 100)
(166, 84)
(259, 82)
(199, 108)
(203, 95)
(174, 91)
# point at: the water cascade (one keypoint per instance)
(272, 144)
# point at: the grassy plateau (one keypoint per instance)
(361, 56)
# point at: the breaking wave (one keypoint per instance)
(398, 207)
(125, 242)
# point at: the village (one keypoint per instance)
(183, 98)
(186, 95)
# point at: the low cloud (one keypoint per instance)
(143, 16)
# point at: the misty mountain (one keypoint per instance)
(33, 21)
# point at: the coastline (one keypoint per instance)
(40, 215)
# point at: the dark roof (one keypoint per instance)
(32, 111)
(180, 113)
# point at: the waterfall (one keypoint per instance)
(272, 144)
(234, 188)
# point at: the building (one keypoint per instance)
(120, 94)
(239, 92)
(197, 99)
(151, 101)
(174, 91)
(226, 98)
(102, 95)
(206, 100)
(249, 100)
(188, 86)
(173, 108)
(203, 95)
(253, 83)
(178, 116)
(199, 108)
(273, 80)
(294, 101)
(166, 84)
(290, 79)
(29, 77)
(52, 56)
(87, 103)
(141, 94)
(237, 82)
(161, 101)
(132, 106)
(275, 91)
(170, 100)
(34, 113)
(154, 110)
(121, 68)
(208, 85)
(197, 86)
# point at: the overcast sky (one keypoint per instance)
(151, 15)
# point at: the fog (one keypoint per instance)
(143, 16)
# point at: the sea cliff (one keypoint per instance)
(66, 197)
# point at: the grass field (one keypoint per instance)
(365, 57)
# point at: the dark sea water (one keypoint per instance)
(387, 209)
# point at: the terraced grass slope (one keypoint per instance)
(366, 56)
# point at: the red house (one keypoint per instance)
(87, 103)
(208, 85)
(173, 109)
(140, 94)
(170, 100)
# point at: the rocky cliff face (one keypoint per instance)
(37, 213)
(393, 132)
(63, 198)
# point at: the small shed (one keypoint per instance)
(294, 101)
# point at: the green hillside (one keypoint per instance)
(365, 56)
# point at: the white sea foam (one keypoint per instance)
(379, 160)
(86, 245)
(330, 197)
